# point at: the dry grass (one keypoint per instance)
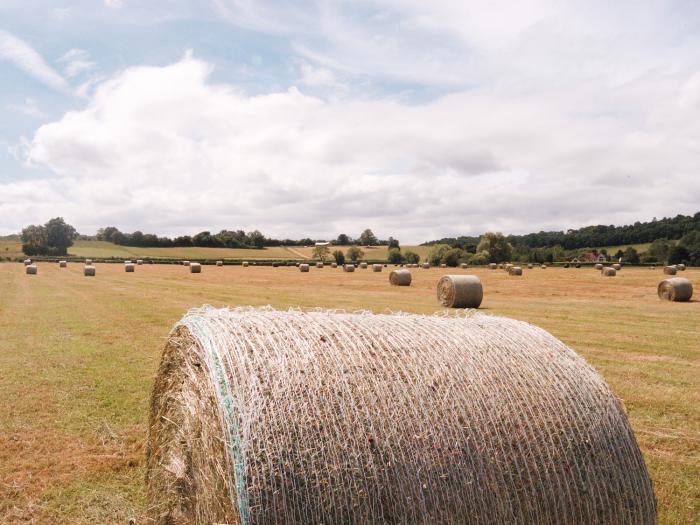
(77, 372)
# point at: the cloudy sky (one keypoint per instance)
(416, 119)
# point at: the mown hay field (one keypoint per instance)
(79, 355)
(102, 249)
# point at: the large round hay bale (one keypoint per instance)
(129, 267)
(609, 272)
(425, 266)
(680, 267)
(185, 263)
(265, 417)
(669, 270)
(493, 266)
(460, 291)
(400, 277)
(245, 264)
(27, 262)
(31, 269)
(507, 267)
(515, 270)
(530, 266)
(544, 266)
(62, 264)
(219, 263)
(377, 267)
(617, 267)
(349, 267)
(464, 266)
(319, 265)
(89, 271)
(139, 262)
(598, 266)
(675, 289)
(304, 268)
(195, 268)
(334, 265)
(363, 265)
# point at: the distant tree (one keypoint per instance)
(339, 257)
(480, 258)
(691, 242)
(452, 257)
(658, 250)
(411, 257)
(367, 238)
(497, 246)
(631, 256)
(107, 234)
(183, 240)
(437, 253)
(59, 236)
(394, 256)
(203, 239)
(678, 254)
(256, 239)
(354, 253)
(393, 243)
(618, 255)
(321, 252)
(342, 240)
(34, 240)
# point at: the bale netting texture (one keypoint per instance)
(676, 289)
(261, 417)
(460, 291)
(400, 277)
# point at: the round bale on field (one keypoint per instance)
(304, 268)
(530, 266)
(680, 267)
(609, 272)
(617, 267)
(400, 277)
(89, 271)
(319, 265)
(515, 270)
(88, 262)
(460, 291)
(185, 263)
(27, 262)
(62, 264)
(245, 264)
(195, 268)
(219, 263)
(363, 265)
(669, 270)
(598, 266)
(139, 262)
(464, 266)
(377, 267)
(544, 266)
(425, 266)
(349, 268)
(267, 417)
(493, 266)
(31, 269)
(129, 267)
(677, 289)
(334, 265)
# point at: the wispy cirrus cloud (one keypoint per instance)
(76, 61)
(24, 57)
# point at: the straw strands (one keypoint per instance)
(460, 291)
(675, 289)
(400, 277)
(264, 417)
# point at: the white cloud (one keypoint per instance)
(317, 76)
(114, 4)
(29, 108)
(163, 149)
(76, 61)
(19, 53)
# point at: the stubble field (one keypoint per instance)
(78, 356)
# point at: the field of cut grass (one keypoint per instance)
(99, 249)
(78, 356)
(612, 250)
(10, 248)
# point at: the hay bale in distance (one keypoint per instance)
(334, 265)
(219, 263)
(617, 267)
(31, 269)
(464, 266)
(493, 266)
(349, 268)
(425, 266)
(530, 266)
(578, 265)
(598, 266)
(27, 262)
(566, 265)
(515, 270)
(608, 271)
(129, 267)
(139, 262)
(275, 264)
(185, 263)
(363, 265)
(304, 268)
(88, 262)
(62, 264)
(317, 417)
(89, 271)
(244, 264)
(460, 291)
(669, 270)
(195, 267)
(544, 266)
(680, 267)
(400, 277)
(319, 264)
(377, 267)
(677, 289)
(443, 265)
